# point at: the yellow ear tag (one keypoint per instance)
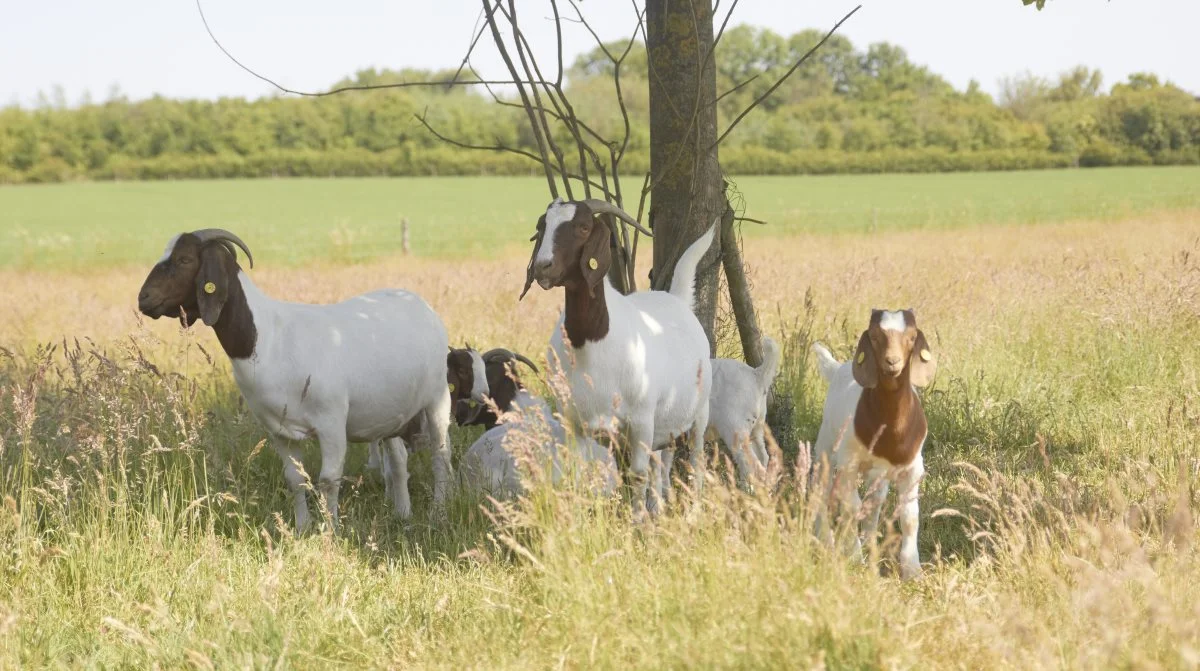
(451, 386)
(862, 356)
(210, 288)
(593, 264)
(926, 355)
(471, 403)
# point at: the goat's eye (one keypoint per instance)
(185, 260)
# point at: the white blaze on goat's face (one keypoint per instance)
(479, 386)
(893, 321)
(170, 248)
(557, 214)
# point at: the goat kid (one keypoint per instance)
(738, 409)
(369, 368)
(874, 425)
(638, 363)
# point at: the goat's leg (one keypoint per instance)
(697, 457)
(877, 491)
(333, 463)
(759, 441)
(743, 459)
(297, 480)
(665, 486)
(373, 458)
(437, 428)
(395, 466)
(641, 434)
(908, 485)
(820, 484)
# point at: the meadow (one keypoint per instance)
(143, 523)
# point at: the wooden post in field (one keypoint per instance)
(404, 236)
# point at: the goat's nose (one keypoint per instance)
(144, 296)
(892, 360)
(543, 264)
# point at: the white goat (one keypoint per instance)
(369, 368)
(491, 464)
(873, 424)
(738, 408)
(637, 363)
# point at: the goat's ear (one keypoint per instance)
(922, 365)
(866, 371)
(537, 239)
(212, 283)
(596, 256)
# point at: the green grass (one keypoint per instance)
(297, 220)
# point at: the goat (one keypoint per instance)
(639, 363)
(874, 424)
(491, 465)
(369, 368)
(738, 408)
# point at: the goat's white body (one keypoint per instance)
(650, 374)
(738, 408)
(359, 371)
(491, 463)
(838, 453)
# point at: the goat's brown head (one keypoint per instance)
(891, 346)
(503, 381)
(467, 379)
(193, 276)
(570, 249)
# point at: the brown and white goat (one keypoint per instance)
(874, 425)
(500, 382)
(638, 363)
(369, 368)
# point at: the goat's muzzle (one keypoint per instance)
(545, 275)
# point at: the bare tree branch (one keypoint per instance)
(533, 116)
(364, 87)
(766, 94)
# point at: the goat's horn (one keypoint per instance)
(604, 207)
(220, 234)
(500, 352)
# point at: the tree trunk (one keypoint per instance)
(687, 192)
(739, 293)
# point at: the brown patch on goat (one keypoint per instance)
(889, 418)
(200, 280)
(460, 375)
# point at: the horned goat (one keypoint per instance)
(369, 368)
(637, 363)
(874, 425)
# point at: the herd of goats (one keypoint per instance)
(378, 369)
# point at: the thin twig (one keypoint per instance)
(781, 80)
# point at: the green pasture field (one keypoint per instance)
(292, 221)
(145, 522)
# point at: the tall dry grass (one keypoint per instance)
(144, 524)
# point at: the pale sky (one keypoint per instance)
(159, 46)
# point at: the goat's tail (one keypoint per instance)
(769, 367)
(683, 282)
(826, 364)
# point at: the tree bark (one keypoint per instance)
(687, 189)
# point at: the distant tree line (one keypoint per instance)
(846, 110)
